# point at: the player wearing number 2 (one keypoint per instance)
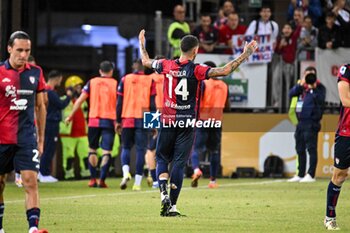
(181, 92)
(21, 91)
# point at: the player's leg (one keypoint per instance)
(127, 143)
(214, 146)
(6, 166)
(341, 165)
(301, 151)
(182, 150)
(82, 151)
(141, 143)
(310, 137)
(150, 158)
(107, 146)
(94, 134)
(164, 155)
(51, 137)
(68, 148)
(27, 161)
(198, 149)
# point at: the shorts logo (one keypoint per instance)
(337, 160)
(151, 120)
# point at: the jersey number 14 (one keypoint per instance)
(180, 89)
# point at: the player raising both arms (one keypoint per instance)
(181, 90)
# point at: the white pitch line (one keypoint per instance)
(142, 192)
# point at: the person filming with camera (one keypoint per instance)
(309, 110)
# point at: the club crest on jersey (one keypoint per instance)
(32, 79)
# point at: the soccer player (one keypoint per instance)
(180, 105)
(21, 93)
(136, 94)
(341, 149)
(102, 115)
(212, 103)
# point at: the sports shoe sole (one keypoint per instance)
(166, 205)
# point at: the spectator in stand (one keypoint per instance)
(206, 34)
(311, 8)
(307, 41)
(227, 8)
(298, 18)
(329, 35)
(283, 72)
(232, 27)
(342, 20)
(178, 29)
(264, 25)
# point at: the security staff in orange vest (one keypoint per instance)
(214, 98)
(150, 156)
(136, 94)
(102, 93)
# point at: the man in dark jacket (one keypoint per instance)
(53, 117)
(311, 97)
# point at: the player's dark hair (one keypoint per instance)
(311, 68)
(106, 66)
(205, 14)
(17, 35)
(188, 42)
(210, 63)
(54, 74)
(330, 14)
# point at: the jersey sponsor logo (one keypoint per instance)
(173, 105)
(25, 92)
(20, 104)
(10, 91)
(32, 79)
(6, 80)
(177, 73)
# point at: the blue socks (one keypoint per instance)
(214, 164)
(195, 159)
(33, 216)
(332, 199)
(125, 156)
(2, 208)
(177, 175)
(92, 169)
(140, 161)
(153, 175)
(105, 167)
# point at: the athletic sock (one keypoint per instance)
(195, 159)
(126, 170)
(33, 216)
(138, 179)
(153, 175)
(2, 208)
(105, 167)
(125, 157)
(176, 179)
(214, 164)
(332, 199)
(92, 169)
(163, 183)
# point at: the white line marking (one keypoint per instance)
(142, 192)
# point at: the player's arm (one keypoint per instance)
(344, 93)
(232, 65)
(83, 96)
(146, 61)
(40, 113)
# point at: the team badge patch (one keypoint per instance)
(32, 79)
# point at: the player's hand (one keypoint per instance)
(250, 47)
(68, 120)
(142, 38)
(118, 128)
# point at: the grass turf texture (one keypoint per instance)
(238, 205)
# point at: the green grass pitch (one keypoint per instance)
(238, 205)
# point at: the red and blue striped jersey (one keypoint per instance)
(344, 117)
(18, 89)
(181, 88)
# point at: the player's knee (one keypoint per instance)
(339, 177)
(93, 160)
(105, 159)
